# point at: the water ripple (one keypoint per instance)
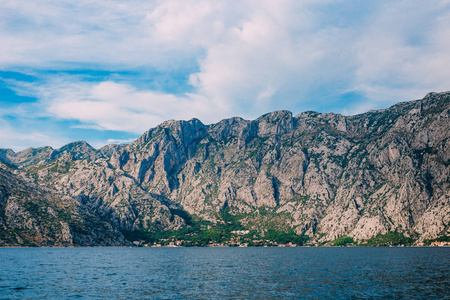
(225, 273)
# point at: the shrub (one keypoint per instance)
(343, 241)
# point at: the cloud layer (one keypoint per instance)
(231, 57)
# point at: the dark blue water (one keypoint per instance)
(218, 273)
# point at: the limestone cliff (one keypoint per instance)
(31, 215)
(324, 175)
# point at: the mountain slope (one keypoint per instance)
(34, 216)
(324, 175)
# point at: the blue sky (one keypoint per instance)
(107, 71)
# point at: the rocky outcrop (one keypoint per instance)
(32, 157)
(31, 215)
(324, 175)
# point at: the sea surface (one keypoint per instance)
(225, 273)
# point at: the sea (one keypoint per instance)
(225, 273)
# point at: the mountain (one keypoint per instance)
(321, 175)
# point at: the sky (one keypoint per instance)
(107, 71)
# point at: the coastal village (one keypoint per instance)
(244, 238)
(239, 238)
(237, 242)
(440, 244)
(244, 242)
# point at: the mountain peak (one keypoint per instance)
(322, 175)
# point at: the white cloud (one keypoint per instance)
(64, 34)
(262, 56)
(188, 23)
(114, 106)
(403, 52)
(283, 52)
(119, 141)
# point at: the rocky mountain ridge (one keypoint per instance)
(32, 215)
(322, 175)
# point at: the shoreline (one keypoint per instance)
(66, 247)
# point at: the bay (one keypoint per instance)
(225, 273)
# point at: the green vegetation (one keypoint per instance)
(231, 222)
(286, 237)
(61, 167)
(343, 241)
(389, 239)
(228, 232)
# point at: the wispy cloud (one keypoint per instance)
(17, 138)
(109, 105)
(119, 141)
(398, 56)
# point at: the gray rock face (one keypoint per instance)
(35, 216)
(324, 175)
